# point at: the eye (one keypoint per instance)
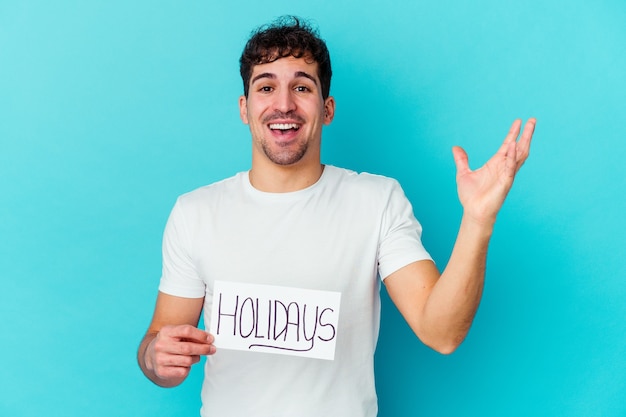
(265, 89)
(302, 89)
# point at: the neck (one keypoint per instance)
(284, 179)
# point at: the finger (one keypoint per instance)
(460, 160)
(184, 340)
(523, 145)
(510, 137)
(173, 368)
(510, 162)
(529, 129)
(167, 372)
(182, 361)
(514, 130)
(188, 333)
(164, 361)
(191, 349)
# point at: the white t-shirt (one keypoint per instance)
(339, 235)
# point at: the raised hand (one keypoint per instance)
(482, 192)
(175, 349)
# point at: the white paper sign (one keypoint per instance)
(273, 319)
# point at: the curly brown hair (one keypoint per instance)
(286, 36)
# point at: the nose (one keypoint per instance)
(285, 101)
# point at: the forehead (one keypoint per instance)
(286, 68)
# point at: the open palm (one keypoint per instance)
(482, 191)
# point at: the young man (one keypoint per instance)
(292, 222)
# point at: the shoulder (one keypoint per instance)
(208, 192)
(209, 197)
(362, 181)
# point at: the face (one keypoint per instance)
(285, 111)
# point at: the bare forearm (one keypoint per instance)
(440, 308)
(453, 301)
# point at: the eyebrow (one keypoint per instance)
(306, 75)
(263, 75)
(273, 76)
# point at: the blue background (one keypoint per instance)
(109, 110)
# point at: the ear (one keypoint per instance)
(243, 109)
(329, 110)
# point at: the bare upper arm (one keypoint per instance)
(172, 310)
(409, 288)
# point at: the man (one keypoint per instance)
(292, 222)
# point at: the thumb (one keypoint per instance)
(460, 160)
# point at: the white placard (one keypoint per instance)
(273, 319)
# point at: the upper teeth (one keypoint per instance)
(283, 126)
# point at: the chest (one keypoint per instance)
(309, 244)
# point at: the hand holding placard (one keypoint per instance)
(175, 349)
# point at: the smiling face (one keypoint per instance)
(285, 112)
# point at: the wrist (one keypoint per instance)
(145, 359)
(478, 226)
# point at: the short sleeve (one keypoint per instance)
(400, 243)
(179, 277)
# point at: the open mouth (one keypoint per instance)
(283, 128)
